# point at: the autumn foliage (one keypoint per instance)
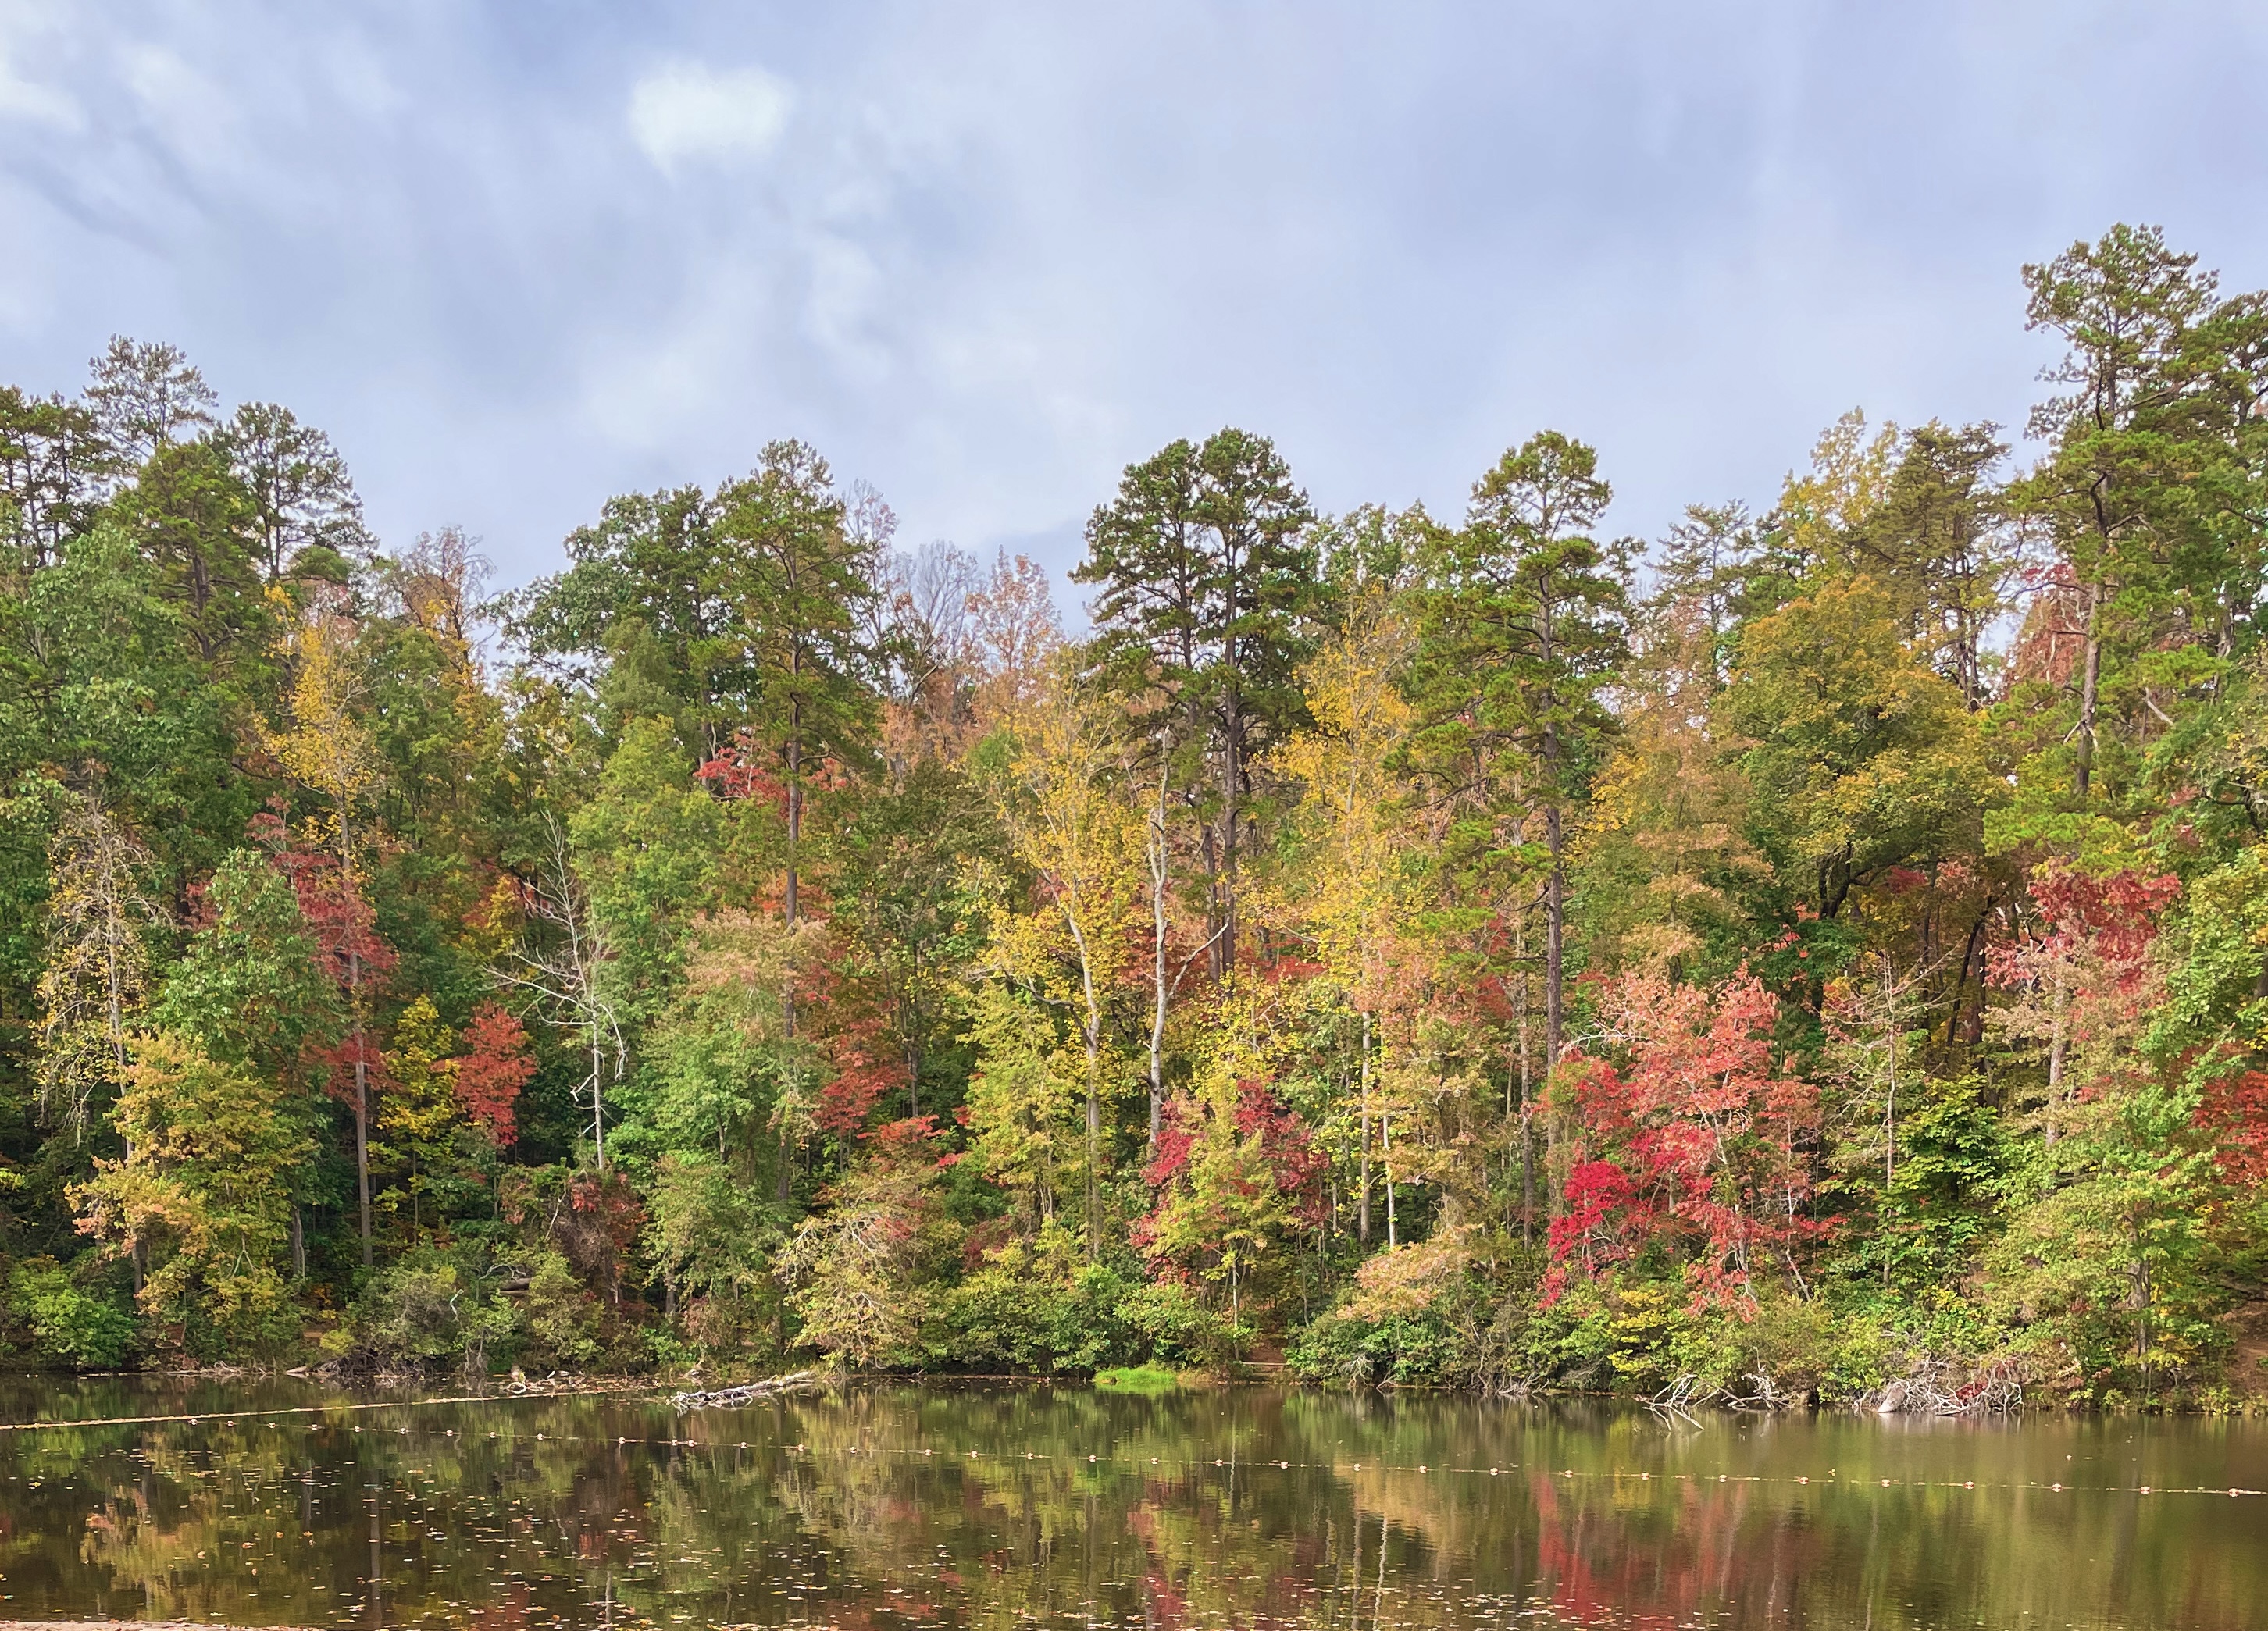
(1696, 1143)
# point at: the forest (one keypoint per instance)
(1823, 945)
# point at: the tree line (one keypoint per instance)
(1818, 944)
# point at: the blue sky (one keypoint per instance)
(516, 257)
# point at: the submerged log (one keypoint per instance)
(747, 1393)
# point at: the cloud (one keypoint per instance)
(984, 256)
(688, 110)
(27, 99)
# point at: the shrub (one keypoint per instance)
(428, 1309)
(562, 1317)
(1177, 1329)
(1447, 1313)
(1037, 1306)
(70, 1324)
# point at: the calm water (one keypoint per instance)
(892, 1507)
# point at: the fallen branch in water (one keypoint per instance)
(1679, 1398)
(1937, 1388)
(747, 1393)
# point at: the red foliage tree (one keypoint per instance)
(867, 1066)
(1286, 1150)
(865, 1063)
(1604, 1212)
(739, 771)
(1701, 1137)
(337, 914)
(495, 1066)
(2111, 920)
(2234, 1115)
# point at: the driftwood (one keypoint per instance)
(1689, 1392)
(1939, 1389)
(747, 1393)
(1679, 1398)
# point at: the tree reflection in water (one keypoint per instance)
(976, 1506)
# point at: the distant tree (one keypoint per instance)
(1203, 567)
(1522, 628)
(304, 510)
(145, 396)
(53, 461)
(800, 580)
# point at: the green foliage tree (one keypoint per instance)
(204, 1196)
(1523, 627)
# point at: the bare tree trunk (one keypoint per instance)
(1159, 859)
(1231, 774)
(2090, 684)
(1091, 1029)
(794, 823)
(2056, 1046)
(1365, 1120)
(362, 1109)
(1386, 1148)
(1555, 930)
(597, 1099)
(1526, 1181)
(794, 840)
(362, 1060)
(1093, 1146)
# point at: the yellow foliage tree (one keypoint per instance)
(1066, 816)
(327, 749)
(204, 1198)
(1354, 892)
(415, 1122)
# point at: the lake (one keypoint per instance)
(888, 1506)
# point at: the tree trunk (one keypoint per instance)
(1555, 932)
(1386, 1150)
(1093, 1143)
(2090, 684)
(1527, 1181)
(362, 1146)
(1231, 774)
(2056, 1050)
(1159, 859)
(597, 1098)
(1363, 1214)
(794, 838)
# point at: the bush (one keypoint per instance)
(1447, 1313)
(428, 1309)
(562, 1317)
(70, 1324)
(1036, 1307)
(1177, 1329)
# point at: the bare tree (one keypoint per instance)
(563, 968)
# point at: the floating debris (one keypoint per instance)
(746, 1392)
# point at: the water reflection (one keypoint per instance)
(901, 1506)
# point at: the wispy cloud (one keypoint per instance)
(515, 259)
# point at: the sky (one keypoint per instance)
(517, 257)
